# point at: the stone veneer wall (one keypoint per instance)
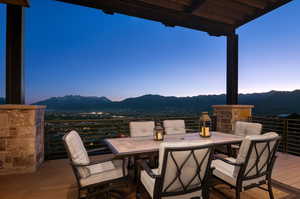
(227, 115)
(21, 138)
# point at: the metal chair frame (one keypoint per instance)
(91, 188)
(160, 192)
(243, 173)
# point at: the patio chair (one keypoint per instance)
(253, 166)
(243, 129)
(183, 171)
(140, 129)
(174, 127)
(143, 128)
(94, 177)
(247, 128)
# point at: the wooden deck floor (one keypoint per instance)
(287, 171)
(55, 180)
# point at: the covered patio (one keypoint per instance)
(216, 17)
(46, 184)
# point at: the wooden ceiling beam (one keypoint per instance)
(223, 12)
(233, 7)
(269, 8)
(252, 3)
(195, 5)
(24, 3)
(166, 16)
(225, 19)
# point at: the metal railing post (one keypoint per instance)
(285, 135)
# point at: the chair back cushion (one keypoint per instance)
(183, 165)
(247, 128)
(77, 152)
(138, 129)
(174, 127)
(260, 155)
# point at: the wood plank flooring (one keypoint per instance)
(55, 180)
(287, 170)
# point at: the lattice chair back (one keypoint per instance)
(247, 128)
(258, 153)
(184, 166)
(143, 128)
(174, 126)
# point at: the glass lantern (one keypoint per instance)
(158, 133)
(204, 125)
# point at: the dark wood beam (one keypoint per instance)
(153, 12)
(258, 4)
(195, 5)
(270, 7)
(24, 3)
(14, 55)
(232, 68)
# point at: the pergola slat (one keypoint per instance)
(196, 4)
(153, 12)
(253, 3)
(217, 17)
(24, 3)
(269, 8)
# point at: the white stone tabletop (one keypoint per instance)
(139, 145)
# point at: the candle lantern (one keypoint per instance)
(204, 125)
(158, 133)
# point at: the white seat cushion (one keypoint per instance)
(76, 148)
(246, 146)
(174, 127)
(103, 172)
(225, 172)
(247, 128)
(138, 129)
(229, 172)
(101, 167)
(149, 184)
(164, 145)
(188, 170)
(77, 152)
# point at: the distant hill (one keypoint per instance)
(2, 100)
(74, 103)
(273, 102)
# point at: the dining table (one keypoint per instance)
(133, 146)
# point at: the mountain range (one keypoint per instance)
(273, 102)
(269, 103)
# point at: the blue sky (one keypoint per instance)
(76, 50)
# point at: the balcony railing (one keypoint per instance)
(94, 131)
(289, 129)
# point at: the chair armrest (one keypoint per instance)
(105, 159)
(143, 165)
(235, 146)
(97, 149)
(229, 162)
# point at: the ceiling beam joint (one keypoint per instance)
(195, 5)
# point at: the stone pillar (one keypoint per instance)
(227, 115)
(21, 138)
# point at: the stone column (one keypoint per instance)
(21, 138)
(227, 115)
